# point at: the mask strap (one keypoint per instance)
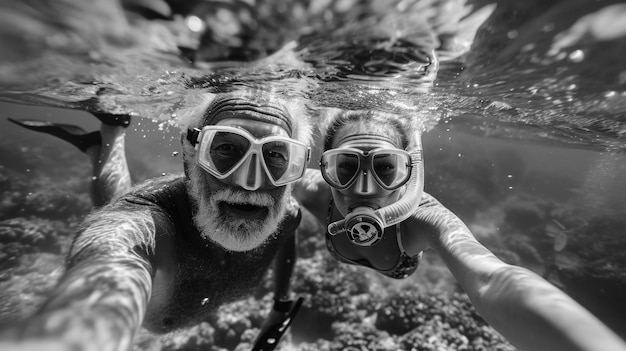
(192, 135)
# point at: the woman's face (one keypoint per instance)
(365, 191)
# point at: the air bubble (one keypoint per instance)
(577, 56)
(195, 24)
(610, 94)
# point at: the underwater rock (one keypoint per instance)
(407, 310)
(52, 202)
(196, 338)
(361, 336)
(328, 286)
(26, 286)
(12, 190)
(232, 320)
(19, 236)
(437, 322)
(527, 213)
(464, 184)
(592, 268)
(40, 196)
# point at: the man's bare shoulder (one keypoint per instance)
(159, 192)
(171, 182)
(135, 217)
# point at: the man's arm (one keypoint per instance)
(283, 309)
(283, 268)
(529, 311)
(100, 301)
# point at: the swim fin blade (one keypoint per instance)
(271, 337)
(74, 135)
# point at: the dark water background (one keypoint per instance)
(527, 147)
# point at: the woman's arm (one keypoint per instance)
(529, 311)
(101, 300)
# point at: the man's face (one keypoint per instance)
(235, 218)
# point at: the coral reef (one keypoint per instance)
(347, 307)
(37, 223)
(19, 236)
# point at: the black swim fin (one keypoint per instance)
(74, 135)
(271, 337)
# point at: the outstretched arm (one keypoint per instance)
(100, 301)
(529, 311)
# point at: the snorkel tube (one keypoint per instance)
(394, 213)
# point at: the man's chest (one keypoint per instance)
(188, 287)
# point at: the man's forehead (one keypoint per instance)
(250, 107)
(259, 129)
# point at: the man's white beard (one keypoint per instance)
(234, 233)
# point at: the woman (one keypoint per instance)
(366, 160)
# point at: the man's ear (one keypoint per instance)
(189, 153)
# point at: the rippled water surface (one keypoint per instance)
(523, 112)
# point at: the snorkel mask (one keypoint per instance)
(249, 138)
(341, 167)
(236, 157)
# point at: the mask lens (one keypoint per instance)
(391, 169)
(285, 161)
(340, 169)
(226, 150)
(347, 168)
(276, 155)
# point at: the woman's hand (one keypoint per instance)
(430, 224)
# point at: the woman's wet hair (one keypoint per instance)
(374, 122)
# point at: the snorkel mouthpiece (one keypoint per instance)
(392, 214)
(363, 225)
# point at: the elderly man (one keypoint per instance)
(168, 252)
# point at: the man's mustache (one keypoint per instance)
(233, 196)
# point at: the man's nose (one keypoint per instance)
(250, 175)
(365, 184)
